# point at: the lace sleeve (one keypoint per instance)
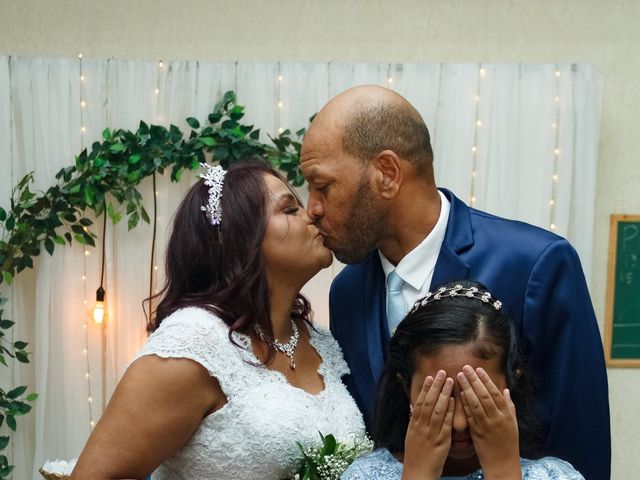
(333, 359)
(549, 468)
(197, 335)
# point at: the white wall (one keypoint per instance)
(603, 33)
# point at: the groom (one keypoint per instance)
(372, 193)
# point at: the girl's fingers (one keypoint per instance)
(509, 403)
(447, 423)
(467, 411)
(495, 393)
(425, 403)
(442, 402)
(426, 385)
(473, 402)
(481, 392)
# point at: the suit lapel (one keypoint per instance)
(375, 315)
(458, 237)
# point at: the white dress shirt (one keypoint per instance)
(416, 267)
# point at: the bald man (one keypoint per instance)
(367, 157)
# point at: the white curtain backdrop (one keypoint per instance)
(516, 140)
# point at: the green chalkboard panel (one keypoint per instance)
(622, 333)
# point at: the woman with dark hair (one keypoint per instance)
(233, 375)
(448, 396)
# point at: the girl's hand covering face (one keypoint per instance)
(492, 423)
(428, 438)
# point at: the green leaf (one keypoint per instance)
(208, 141)
(48, 246)
(145, 215)
(5, 324)
(32, 397)
(135, 158)
(16, 392)
(133, 176)
(117, 148)
(11, 222)
(58, 239)
(106, 134)
(20, 345)
(11, 422)
(3, 360)
(3, 214)
(8, 277)
(193, 122)
(22, 356)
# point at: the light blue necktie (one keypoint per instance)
(396, 308)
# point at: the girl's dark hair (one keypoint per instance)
(221, 268)
(448, 321)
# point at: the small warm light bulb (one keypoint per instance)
(98, 310)
(479, 123)
(87, 253)
(553, 226)
(474, 149)
(82, 78)
(389, 80)
(93, 424)
(477, 98)
(157, 193)
(557, 73)
(160, 64)
(557, 99)
(280, 78)
(83, 104)
(557, 151)
(79, 55)
(90, 399)
(482, 72)
(83, 129)
(155, 267)
(280, 104)
(552, 202)
(157, 91)
(474, 173)
(280, 130)
(555, 178)
(553, 125)
(86, 375)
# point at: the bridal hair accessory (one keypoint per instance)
(214, 179)
(286, 348)
(457, 291)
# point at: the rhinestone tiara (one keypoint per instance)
(457, 291)
(214, 179)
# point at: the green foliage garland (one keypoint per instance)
(105, 179)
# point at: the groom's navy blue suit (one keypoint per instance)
(539, 278)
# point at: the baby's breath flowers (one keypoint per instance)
(330, 460)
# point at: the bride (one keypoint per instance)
(234, 374)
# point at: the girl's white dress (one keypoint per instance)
(254, 435)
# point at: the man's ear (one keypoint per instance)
(388, 173)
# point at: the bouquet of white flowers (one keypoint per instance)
(330, 460)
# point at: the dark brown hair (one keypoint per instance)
(221, 268)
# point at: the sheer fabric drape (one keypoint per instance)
(515, 140)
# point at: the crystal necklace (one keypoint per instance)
(286, 348)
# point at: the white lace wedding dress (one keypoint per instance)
(254, 435)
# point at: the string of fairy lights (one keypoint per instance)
(474, 148)
(87, 252)
(556, 153)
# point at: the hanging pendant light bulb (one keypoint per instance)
(98, 310)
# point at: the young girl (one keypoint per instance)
(449, 394)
